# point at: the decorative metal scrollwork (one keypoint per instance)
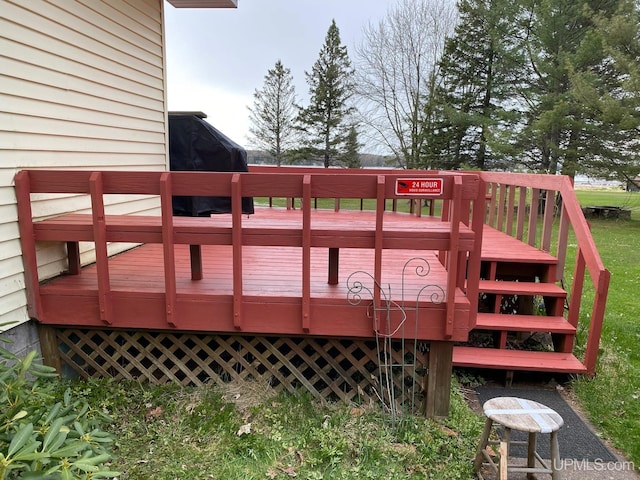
(362, 285)
(389, 319)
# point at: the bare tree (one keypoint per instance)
(397, 70)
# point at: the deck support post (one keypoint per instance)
(73, 258)
(49, 347)
(195, 254)
(334, 265)
(437, 388)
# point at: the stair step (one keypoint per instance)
(503, 359)
(521, 288)
(524, 323)
(499, 247)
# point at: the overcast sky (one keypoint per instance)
(217, 58)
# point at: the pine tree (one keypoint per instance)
(324, 123)
(610, 97)
(273, 114)
(539, 82)
(560, 46)
(477, 70)
(351, 156)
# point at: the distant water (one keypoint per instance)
(582, 181)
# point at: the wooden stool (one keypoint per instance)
(525, 415)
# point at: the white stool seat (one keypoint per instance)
(515, 413)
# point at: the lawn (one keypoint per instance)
(612, 398)
(248, 432)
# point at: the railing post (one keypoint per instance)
(510, 207)
(166, 205)
(533, 217)
(236, 240)
(522, 213)
(377, 269)
(306, 253)
(501, 206)
(100, 243)
(563, 235)
(577, 287)
(492, 203)
(445, 216)
(597, 318)
(474, 264)
(28, 244)
(452, 264)
(547, 221)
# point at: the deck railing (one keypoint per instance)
(526, 207)
(457, 191)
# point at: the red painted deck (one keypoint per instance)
(272, 292)
(285, 271)
(278, 271)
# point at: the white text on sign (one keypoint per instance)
(419, 186)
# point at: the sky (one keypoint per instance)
(217, 58)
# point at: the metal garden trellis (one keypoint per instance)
(389, 324)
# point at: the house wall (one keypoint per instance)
(82, 86)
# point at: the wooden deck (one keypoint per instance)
(272, 279)
(296, 271)
(278, 271)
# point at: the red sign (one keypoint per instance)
(419, 186)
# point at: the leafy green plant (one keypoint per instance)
(42, 437)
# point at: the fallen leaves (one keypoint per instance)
(244, 430)
(154, 413)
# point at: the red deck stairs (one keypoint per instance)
(519, 301)
(521, 292)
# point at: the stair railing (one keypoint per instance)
(525, 206)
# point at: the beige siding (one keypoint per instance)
(82, 85)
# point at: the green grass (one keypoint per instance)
(172, 432)
(612, 397)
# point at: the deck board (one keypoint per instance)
(267, 271)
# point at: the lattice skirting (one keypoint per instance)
(345, 369)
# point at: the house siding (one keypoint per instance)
(82, 86)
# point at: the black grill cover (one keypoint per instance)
(195, 145)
